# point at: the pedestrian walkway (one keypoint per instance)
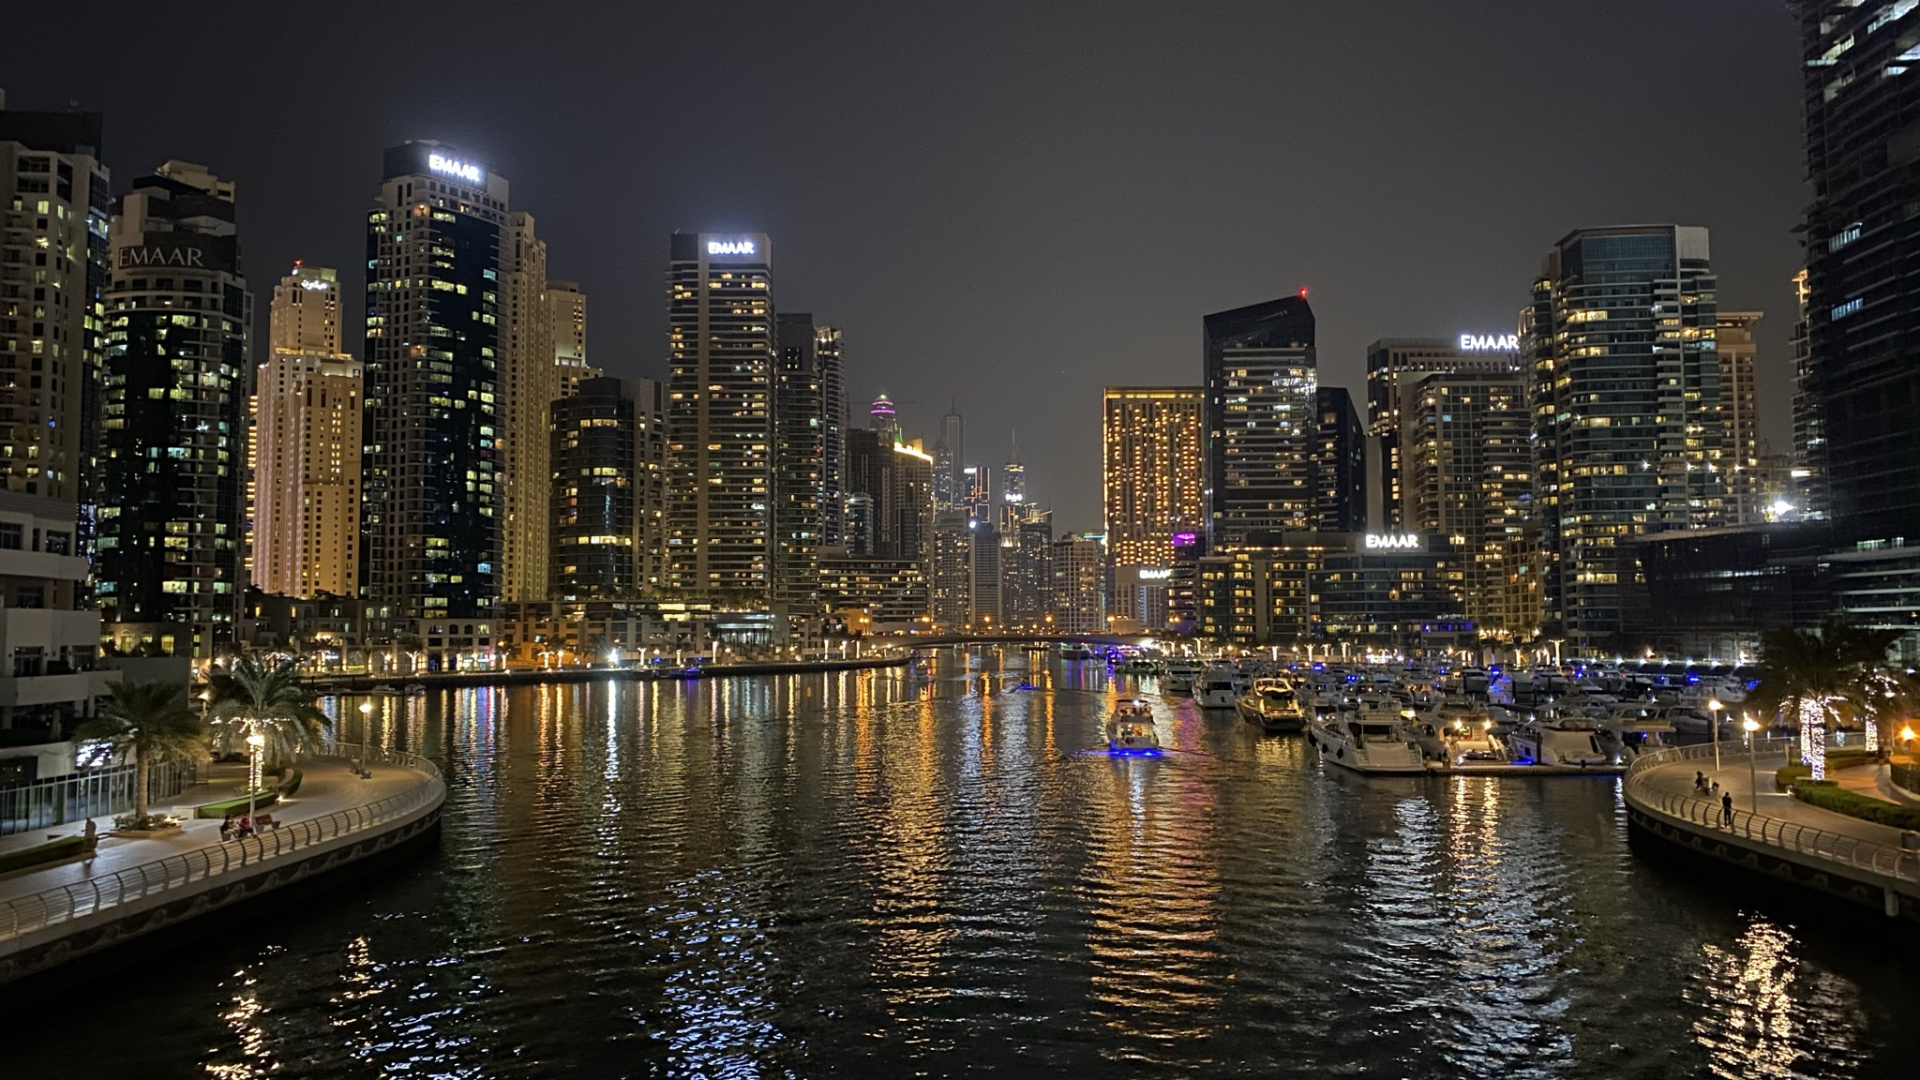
(1676, 778)
(326, 786)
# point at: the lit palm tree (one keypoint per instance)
(1820, 676)
(265, 696)
(151, 721)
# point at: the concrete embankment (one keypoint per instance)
(133, 888)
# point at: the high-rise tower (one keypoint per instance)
(721, 348)
(431, 488)
(1630, 426)
(307, 444)
(172, 513)
(529, 382)
(1746, 474)
(799, 460)
(833, 434)
(567, 306)
(1393, 363)
(1262, 420)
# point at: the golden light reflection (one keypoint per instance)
(1755, 1020)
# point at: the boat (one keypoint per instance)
(1130, 731)
(1373, 743)
(1216, 689)
(416, 688)
(1558, 740)
(1632, 730)
(1273, 704)
(1179, 677)
(1138, 665)
(1075, 651)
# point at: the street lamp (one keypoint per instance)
(1753, 784)
(254, 742)
(1713, 718)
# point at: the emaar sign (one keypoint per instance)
(1394, 542)
(465, 170)
(730, 247)
(1489, 342)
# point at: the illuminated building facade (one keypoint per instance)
(1027, 566)
(1391, 362)
(1261, 420)
(1339, 463)
(308, 409)
(1306, 586)
(1862, 237)
(827, 345)
(529, 381)
(1808, 470)
(1630, 425)
(608, 490)
(799, 462)
(1079, 590)
(952, 575)
(1746, 473)
(722, 349)
(168, 572)
(1469, 477)
(431, 499)
(567, 322)
(891, 591)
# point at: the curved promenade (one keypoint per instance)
(52, 915)
(1786, 839)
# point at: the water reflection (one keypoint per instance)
(894, 873)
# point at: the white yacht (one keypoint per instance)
(1274, 704)
(1555, 740)
(1179, 677)
(1216, 689)
(1369, 743)
(1130, 730)
(1632, 730)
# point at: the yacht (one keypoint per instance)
(1179, 677)
(1632, 730)
(1558, 740)
(1074, 650)
(1216, 689)
(1138, 665)
(1273, 704)
(1368, 743)
(1130, 730)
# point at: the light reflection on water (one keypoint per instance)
(883, 874)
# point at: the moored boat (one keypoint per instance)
(1274, 704)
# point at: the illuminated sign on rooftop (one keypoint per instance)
(1394, 542)
(465, 170)
(1489, 342)
(730, 247)
(313, 283)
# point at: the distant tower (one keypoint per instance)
(881, 418)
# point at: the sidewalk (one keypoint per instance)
(327, 786)
(1677, 779)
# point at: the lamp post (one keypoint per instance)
(254, 742)
(1713, 721)
(1753, 782)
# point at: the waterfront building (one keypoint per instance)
(172, 515)
(1630, 423)
(894, 519)
(892, 592)
(1079, 580)
(1153, 488)
(1183, 579)
(1339, 464)
(1746, 477)
(1027, 562)
(54, 271)
(431, 500)
(306, 433)
(1261, 420)
(1711, 594)
(827, 353)
(859, 522)
(987, 587)
(1391, 363)
(722, 348)
(1862, 238)
(567, 322)
(529, 382)
(50, 640)
(952, 575)
(1809, 460)
(799, 463)
(1366, 588)
(608, 490)
(1468, 475)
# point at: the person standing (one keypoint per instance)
(1726, 809)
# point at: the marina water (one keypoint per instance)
(937, 873)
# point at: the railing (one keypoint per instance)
(45, 803)
(1881, 859)
(65, 903)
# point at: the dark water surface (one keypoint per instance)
(872, 874)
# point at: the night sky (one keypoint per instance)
(1014, 204)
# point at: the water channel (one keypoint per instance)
(895, 874)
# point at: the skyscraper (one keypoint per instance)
(172, 513)
(833, 436)
(1391, 363)
(307, 442)
(1339, 464)
(952, 577)
(1745, 472)
(431, 472)
(1808, 472)
(1630, 425)
(721, 348)
(1013, 493)
(567, 322)
(799, 462)
(608, 494)
(529, 382)
(950, 456)
(1261, 420)
(1027, 566)
(1078, 594)
(1469, 476)
(51, 282)
(1153, 484)
(1862, 238)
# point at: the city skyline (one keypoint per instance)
(865, 251)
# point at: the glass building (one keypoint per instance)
(1261, 420)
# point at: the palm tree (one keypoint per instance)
(1822, 675)
(265, 696)
(151, 721)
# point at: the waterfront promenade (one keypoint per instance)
(133, 885)
(1772, 832)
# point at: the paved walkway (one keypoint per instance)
(1677, 779)
(325, 787)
